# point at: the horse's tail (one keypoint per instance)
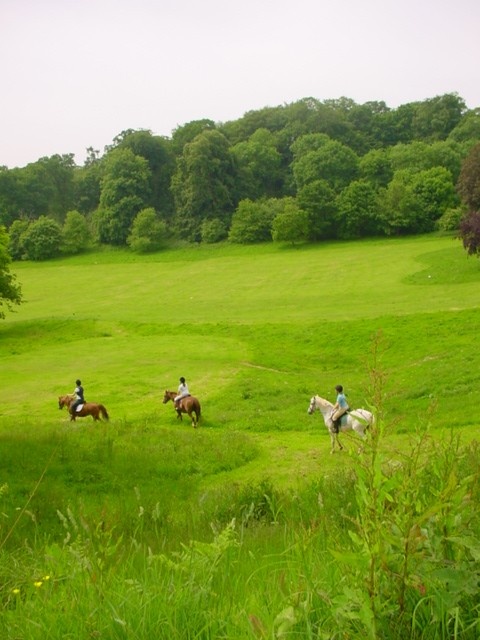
(104, 412)
(198, 409)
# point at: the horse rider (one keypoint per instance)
(182, 392)
(79, 397)
(340, 408)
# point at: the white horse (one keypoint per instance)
(357, 420)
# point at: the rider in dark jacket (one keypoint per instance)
(79, 397)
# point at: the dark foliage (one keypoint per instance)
(470, 233)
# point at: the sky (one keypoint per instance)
(76, 73)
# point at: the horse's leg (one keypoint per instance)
(340, 446)
(332, 441)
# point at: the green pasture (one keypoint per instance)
(256, 331)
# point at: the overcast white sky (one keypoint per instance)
(75, 73)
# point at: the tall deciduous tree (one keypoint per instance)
(414, 201)
(333, 162)
(76, 235)
(318, 199)
(468, 184)
(203, 183)
(158, 152)
(124, 192)
(436, 117)
(291, 223)
(358, 210)
(258, 164)
(10, 291)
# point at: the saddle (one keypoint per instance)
(340, 422)
(79, 408)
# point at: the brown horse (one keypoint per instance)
(89, 408)
(189, 405)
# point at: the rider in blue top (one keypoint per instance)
(341, 406)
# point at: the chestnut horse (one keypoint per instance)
(89, 408)
(189, 405)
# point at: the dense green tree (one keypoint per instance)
(45, 187)
(468, 128)
(414, 201)
(76, 235)
(434, 192)
(87, 180)
(291, 223)
(203, 184)
(468, 184)
(399, 208)
(420, 155)
(59, 171)
(35, 190)
(42, 239)
(11, 196)
(366, 121)
(376, 167)
(310, 115)
(358, 211)
(158, 151)
(318, 200)
(188, 132)
(451, 219)
(259, 166)
(396, 125)
(213, 231)
(148, 232)
(436, 117)
(271, 118)
(308, 143)
(252, 222)
(124, 192)
(15, 232)
(10, 291)
(333, 162)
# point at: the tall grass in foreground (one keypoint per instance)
(386, 549)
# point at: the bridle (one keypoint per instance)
(311, 408)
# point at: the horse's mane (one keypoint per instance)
(70, 396)
(324, 400)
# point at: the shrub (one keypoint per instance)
(42, 239)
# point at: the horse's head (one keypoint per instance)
(320, 404)
(64, 401)
(311, 406)
(168, 395)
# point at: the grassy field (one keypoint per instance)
(256, 331)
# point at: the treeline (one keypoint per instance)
(309, 170)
